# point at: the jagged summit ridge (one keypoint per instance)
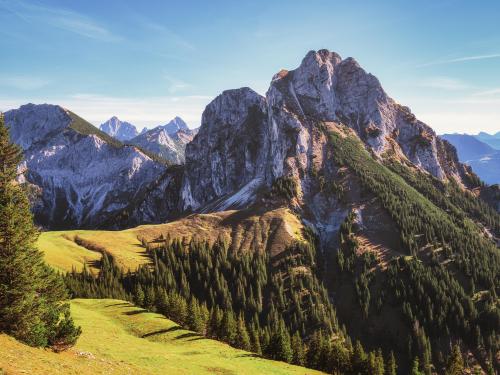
(79, 178)
(246, 140)
(169, 146)
(326, 88)
(121, 130)
(174, 125)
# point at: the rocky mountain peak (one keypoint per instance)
(246, 141)
(82, 178)
(168, 145)
(33, 123)
(121, 130)
(326, 87)
(228, 153)
(175, 125)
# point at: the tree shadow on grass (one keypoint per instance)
(118, 304)
(159, 332)
(189, 335)
(135, 312)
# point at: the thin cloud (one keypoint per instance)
(163, 33)
(170, 35)
(23, 82)
(60, 18)
(461, 59)
(491, 92)
(444, 83)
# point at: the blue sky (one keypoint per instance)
(149, 61)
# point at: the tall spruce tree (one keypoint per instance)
(32, 297)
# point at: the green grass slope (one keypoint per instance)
(119, 338)
(274, 229)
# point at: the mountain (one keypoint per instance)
(484, 159)
(167, 141)
(175, 125)
(323, 210)
(468, 147)
(247, 141)
(121, 130)
(79, 175)
(492, 140)
(392, 212)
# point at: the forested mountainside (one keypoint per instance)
(396, 260)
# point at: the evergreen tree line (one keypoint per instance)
(275, 307)
(451, 261)
(450, 197)
(33, 298)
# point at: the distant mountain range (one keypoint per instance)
(482, 156)
(121, 130)
(166, 141)
(491, 139)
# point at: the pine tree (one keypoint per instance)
(149, 298)
(32, 296)
(279, 345)
(214, 324)
(415, 368)
(455, 364)
(228, 327)
(255, 340)
(138, 295)
(299, 355)
(194, 319)
(242, 340)
(359, 359)
(391, 368)
(339, 358)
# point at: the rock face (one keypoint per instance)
(246, 141)
(81, 178)
(168, 141)
(326, 88)
(121, 130)
(175, 125)
(227, 156)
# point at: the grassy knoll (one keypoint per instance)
(119, 338)
(244, 230)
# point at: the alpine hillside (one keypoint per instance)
(77, 175)
(321, 224)
(393, 233)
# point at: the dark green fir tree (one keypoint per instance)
(33, 306)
